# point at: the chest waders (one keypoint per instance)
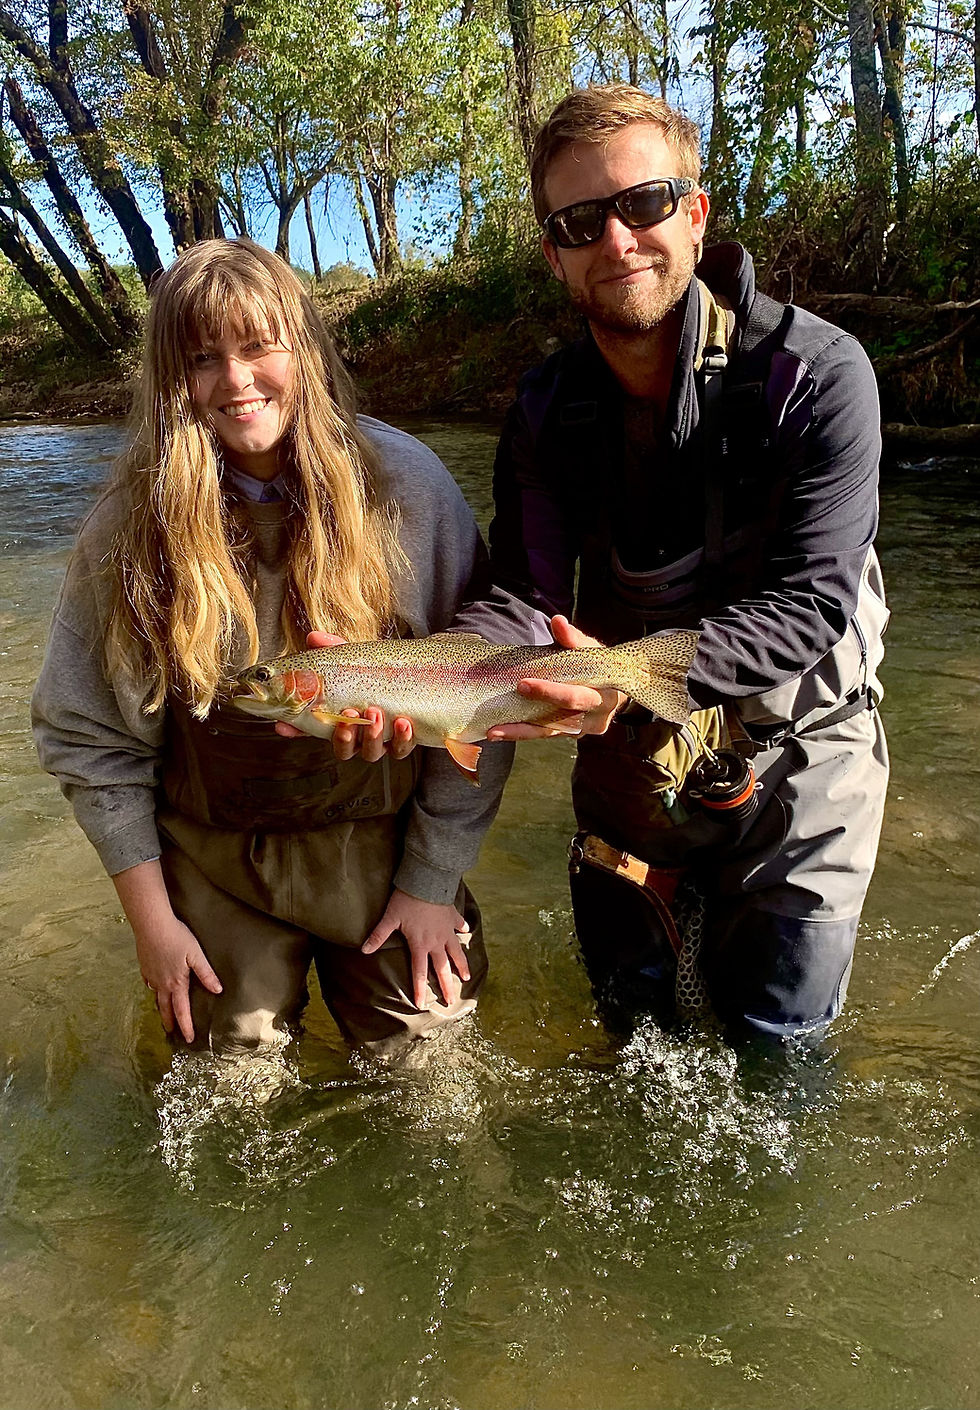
(643, 793)
(277, 855)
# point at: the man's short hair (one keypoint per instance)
(595, 114)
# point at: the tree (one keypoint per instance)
(48, 64)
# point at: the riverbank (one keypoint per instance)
(454, 341)
(43, 377)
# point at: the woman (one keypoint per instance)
(249, 506)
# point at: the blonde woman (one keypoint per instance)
(250, 506)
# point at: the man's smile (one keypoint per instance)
(623, 275)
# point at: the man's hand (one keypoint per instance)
(434, 933)
(366, 740)
(591, 711)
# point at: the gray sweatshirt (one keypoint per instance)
(93, 735)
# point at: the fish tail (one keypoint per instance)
(654, 671)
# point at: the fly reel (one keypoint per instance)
(722, 784)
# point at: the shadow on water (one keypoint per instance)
(531, 1213)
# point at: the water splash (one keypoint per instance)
(961, 945)
(205, 1098)
(445, 1084)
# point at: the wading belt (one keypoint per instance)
(658, 884)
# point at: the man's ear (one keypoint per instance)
(698, 216)
(550, 252)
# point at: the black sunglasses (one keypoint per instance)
(638, 207)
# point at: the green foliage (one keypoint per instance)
(20, 308)
(453, 297)
(343, 276)
(936, 248)
(414, 106)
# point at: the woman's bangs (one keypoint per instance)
(226, 304)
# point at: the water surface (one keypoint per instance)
(537, 1217)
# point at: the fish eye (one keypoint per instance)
(262, 673)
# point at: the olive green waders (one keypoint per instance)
(277, 855)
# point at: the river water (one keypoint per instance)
(538, 1217)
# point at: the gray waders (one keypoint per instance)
(776, 897)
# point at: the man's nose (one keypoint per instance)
(617, 237)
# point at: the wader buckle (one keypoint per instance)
(576, 853)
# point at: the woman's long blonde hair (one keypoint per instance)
(183, 591)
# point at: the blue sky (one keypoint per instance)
(340, 236)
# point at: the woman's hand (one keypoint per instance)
(367, 740)
(169, 954)
(168, 951)
(590, 711)
(433, 933)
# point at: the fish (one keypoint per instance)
(454, 686)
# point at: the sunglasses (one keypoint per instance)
(638, 207)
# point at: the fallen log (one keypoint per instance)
(948, 440)
(886, 305)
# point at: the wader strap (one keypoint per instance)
(862, 699)
(724, 389)
(659, 884)
(765, 315)
(711, 360)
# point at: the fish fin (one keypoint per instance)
(656, 674)
(326, 718)
(558, 721)
(465, 756)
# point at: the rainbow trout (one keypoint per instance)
(454, 686)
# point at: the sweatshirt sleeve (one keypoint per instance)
(94, 737)
(829, 444)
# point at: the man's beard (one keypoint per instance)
(640, 308)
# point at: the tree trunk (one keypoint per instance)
(364, 213)
(381, 189)
(721, 164)
(520, 16)
(17, 201)
(191, 205)
(176, 204)
(112, 287)
(631, 41)
(770, 116)
(891, 47)
(34, 273)
(871, 213)
(467, 139)
(100, 163)
(311, 232)
(955, 440)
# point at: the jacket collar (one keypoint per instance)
(727, 269)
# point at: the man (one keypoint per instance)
(703, 457)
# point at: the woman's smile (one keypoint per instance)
(242, 385)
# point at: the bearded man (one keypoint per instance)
(704, 458)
